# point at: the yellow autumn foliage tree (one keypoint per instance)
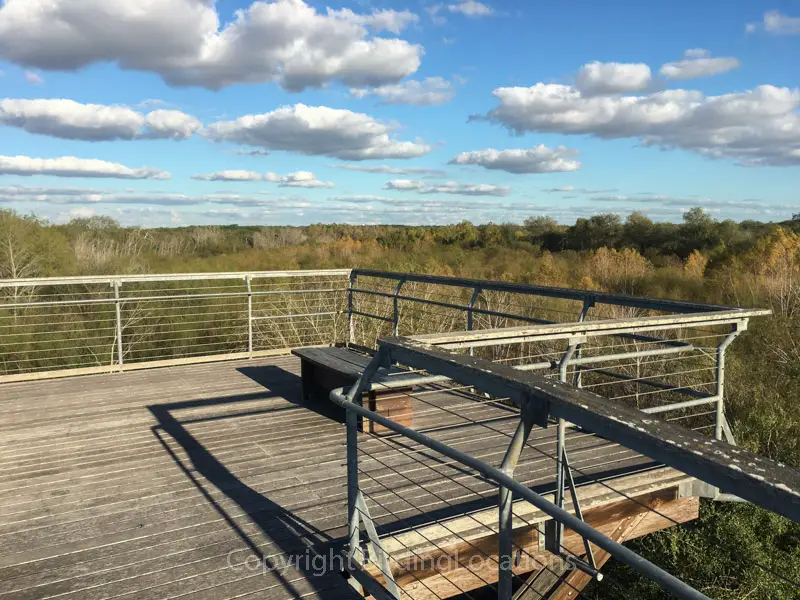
(695, 265)
(616, 270)
(775, 263)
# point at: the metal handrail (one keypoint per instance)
(85, 279)
(518, 335)
(629, 557)
(548, 291)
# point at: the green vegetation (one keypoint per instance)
(733, 551)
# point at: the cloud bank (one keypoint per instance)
(70, 120)
(70, 166)
(317, 130)
(186, 43)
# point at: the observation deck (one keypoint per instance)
(157, 442)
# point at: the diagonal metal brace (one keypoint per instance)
(554, 532)
(577, 505)
(375, 542)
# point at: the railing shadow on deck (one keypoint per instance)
(291, 535)
(288, 385)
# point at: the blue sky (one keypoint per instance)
(173, 112)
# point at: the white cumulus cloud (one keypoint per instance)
(449, 187)
(172, 124)
(431, 91)
(186, 43)
(317, 130)
(471, 8)
(698, 62)
(756, 127)
(304, 179)
(70, 166)
(72, 120)
(776, 23)
(596, 78)
(389, 20)
(229, 175)
(539, 159)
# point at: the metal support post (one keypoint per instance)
(353, 548)
(351, 337)
(505, 502)
(247, 279)
(736, 329)
(588, 303)
(563, 364)
(118, 307)
(561, 435)
(396, 307)
(470, 315)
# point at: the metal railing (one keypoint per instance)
(383, 303)
(664, 356)
(91, 324)
(79, 325)
(398, 485)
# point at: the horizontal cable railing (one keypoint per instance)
(90, 324)
(76, 325)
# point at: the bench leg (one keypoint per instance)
(309, 385)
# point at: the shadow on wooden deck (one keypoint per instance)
(292, 535)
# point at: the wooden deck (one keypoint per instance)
(161, 483)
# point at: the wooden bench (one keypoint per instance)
(325, 369)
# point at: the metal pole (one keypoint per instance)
(247, 279)
(588, 302)
(470, 315)
(505, 504)
(353, 544)
(736, 329)
(561, 435)
(350, 325)
(353, 550)
(396, 313)
(118, 307)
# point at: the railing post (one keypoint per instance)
(353, 549)
(118, 309)
(350, 325)
(505, 555)
(588, 303)
(396, 307)
(561, 438)
(248, 281)
(470, 314)
(736, 329)
(561, 435)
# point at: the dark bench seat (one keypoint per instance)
(325, 369)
